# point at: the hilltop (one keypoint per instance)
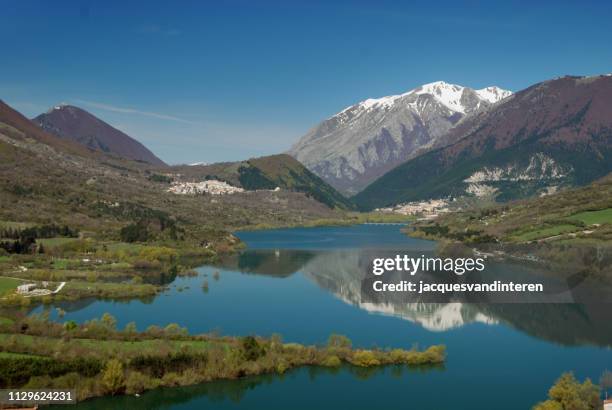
(76, 124)
(268, 173)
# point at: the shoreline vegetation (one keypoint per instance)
(133, 266)
(570, 231)
(569, 393)
(97, 359)
(350, 218)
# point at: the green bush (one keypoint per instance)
(569, 393)
(113, 378)
(364, 358)
(134, 232)
(331, 361)
(17, 371)
(339, 342)
(137, 382)
(251, 348)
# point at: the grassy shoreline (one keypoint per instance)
(120, 270)
(38, 353)
(351, 218)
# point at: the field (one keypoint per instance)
(7, 285)
(95, 358)
(103, 348)
(53, 242)
(569, 231)
(545, 232)
(13, 225)
(594, 217)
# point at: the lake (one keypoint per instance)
(306, 283)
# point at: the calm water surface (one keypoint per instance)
(305, 284)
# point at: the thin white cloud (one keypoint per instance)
(125, 110)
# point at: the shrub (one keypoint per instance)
(331, 361)
(171, 379)
(251, 349)
(109, 321)
(134, 232)
(113, 378)
(17, 371)
(281, 367)
(569, 393)
(137, 382)
(364, 358)
(70, 325)
(174, 329)
(339, 342)
(158, 366)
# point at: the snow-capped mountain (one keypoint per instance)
(551, 135)
(365, 140)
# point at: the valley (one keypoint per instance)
(94, 231)
(305, 205)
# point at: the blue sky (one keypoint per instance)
(228, 80)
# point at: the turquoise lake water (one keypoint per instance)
(306, 283)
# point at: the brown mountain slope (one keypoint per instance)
(76, 124)
(570, 110)
(24, 128)
(45, 179)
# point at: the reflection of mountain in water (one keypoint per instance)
(267, 262)
(343, 272)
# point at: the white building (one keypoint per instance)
(27, 288)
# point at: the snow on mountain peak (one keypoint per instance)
(447, 94)
(59, 106)
(493, 94)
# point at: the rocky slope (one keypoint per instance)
(76, 124)
(551, 135)
(363, 141)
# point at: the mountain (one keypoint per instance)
(45, 179)
(554, 134)
(15, 126)
(76, 124)
(365, 140)
(268, 173)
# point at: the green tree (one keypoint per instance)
(113, 378)
(70, 325)
(339, 342)
(569, 394)
(549, 405)
(251, 349)
(130, 328)
(109, 321)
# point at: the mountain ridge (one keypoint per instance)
(363, 141)
(568, 119)
(76, 124)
